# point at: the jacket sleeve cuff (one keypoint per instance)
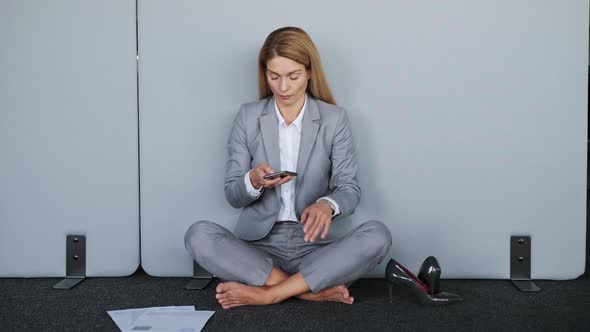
(253, 192)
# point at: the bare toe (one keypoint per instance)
(345, 293)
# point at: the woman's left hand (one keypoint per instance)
(315, 218)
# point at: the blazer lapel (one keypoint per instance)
(310, 126)
(269, 128)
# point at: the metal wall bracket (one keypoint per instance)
(520, 263)
(75, 262)
(201, 277)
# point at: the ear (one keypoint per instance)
(308, 74)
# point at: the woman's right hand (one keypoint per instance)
(258, 172)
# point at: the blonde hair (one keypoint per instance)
(295, 44)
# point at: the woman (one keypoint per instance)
(283, 246)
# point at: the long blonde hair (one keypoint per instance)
(295, 44)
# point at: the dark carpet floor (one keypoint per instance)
(490, 305)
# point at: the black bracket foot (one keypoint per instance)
(201, 278)
(520, 264)
(75, 262)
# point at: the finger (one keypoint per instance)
(316, 229)
(310, 232)
(311, 225)
(261, 169)
(269, 183)
(268, 169)
(260, 166)
(273, 182)
(326, 229)
(285, 180)
(309, 222)
(325, 224)
(304, 216)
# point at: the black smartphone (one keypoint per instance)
(281, 174)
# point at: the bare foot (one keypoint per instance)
(233, 294)
(335, 294)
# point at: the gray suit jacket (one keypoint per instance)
(326, 164)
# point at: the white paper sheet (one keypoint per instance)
(171, 321)
(125, 318)
(170, 318)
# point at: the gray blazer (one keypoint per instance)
(326, 164)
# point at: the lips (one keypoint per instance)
(285, 97)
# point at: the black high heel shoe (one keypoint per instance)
(397, 274)
(430, 274)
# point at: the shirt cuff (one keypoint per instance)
(253, 192)
(333, 204)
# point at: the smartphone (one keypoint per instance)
(281, 174)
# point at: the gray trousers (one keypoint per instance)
(323, 263)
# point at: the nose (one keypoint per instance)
(284, 86)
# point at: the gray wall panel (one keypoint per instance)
(68, 136)
(470, 120)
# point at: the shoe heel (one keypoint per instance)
(390, 286)
(429, 274)
(434, 284)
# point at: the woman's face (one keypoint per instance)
(287, 80)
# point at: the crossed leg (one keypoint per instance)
(278, 287)
(372, 237)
